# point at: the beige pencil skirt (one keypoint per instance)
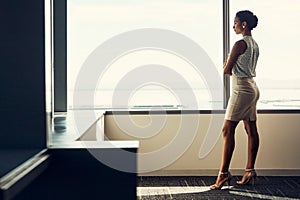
(243, 100)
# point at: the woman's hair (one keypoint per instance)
(249, 17)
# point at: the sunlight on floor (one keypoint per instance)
(173, 190)
(256, 195)
(151, 191)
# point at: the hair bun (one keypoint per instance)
(249, 17)
(255, 21)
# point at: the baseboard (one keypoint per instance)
(213, 172)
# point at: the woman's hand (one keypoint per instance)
(228, 72)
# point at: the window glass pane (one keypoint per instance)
(277, 35)
(48, 68)
(91, 24)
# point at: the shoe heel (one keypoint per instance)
(226, 179)
(253, 181)
(228, 183)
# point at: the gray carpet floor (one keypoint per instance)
(197, 187)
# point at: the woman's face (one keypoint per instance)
(238, 27)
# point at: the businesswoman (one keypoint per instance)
(241, 65)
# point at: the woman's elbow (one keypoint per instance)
(228, 72)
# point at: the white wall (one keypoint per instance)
(278, 152)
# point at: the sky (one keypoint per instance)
(92, 22)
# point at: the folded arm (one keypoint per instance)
(238, 49)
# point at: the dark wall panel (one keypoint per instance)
(22, 74)
(76, 174)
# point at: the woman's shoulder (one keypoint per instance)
(241, 46)
(241, 42)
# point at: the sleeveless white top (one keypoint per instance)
(246, 63)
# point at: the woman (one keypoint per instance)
(241, 66)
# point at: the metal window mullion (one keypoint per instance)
(60, 55)
(226, 50)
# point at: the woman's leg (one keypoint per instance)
(228, 131)
(253, 142)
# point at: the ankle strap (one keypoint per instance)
(249, 170)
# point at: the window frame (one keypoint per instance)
(59, 37)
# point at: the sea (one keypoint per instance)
(198, 99)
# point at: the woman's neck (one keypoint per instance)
(247, 33)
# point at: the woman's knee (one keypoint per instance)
(250, 127)
(228, 129)
(225, 132)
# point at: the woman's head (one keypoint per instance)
(247, 19)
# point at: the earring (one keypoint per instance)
(243, 26)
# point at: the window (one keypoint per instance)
(48, 55)
(91, 24)
(278, 36)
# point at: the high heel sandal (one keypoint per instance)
(249, 176)
(222, 178)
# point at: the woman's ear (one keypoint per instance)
(244, 25)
